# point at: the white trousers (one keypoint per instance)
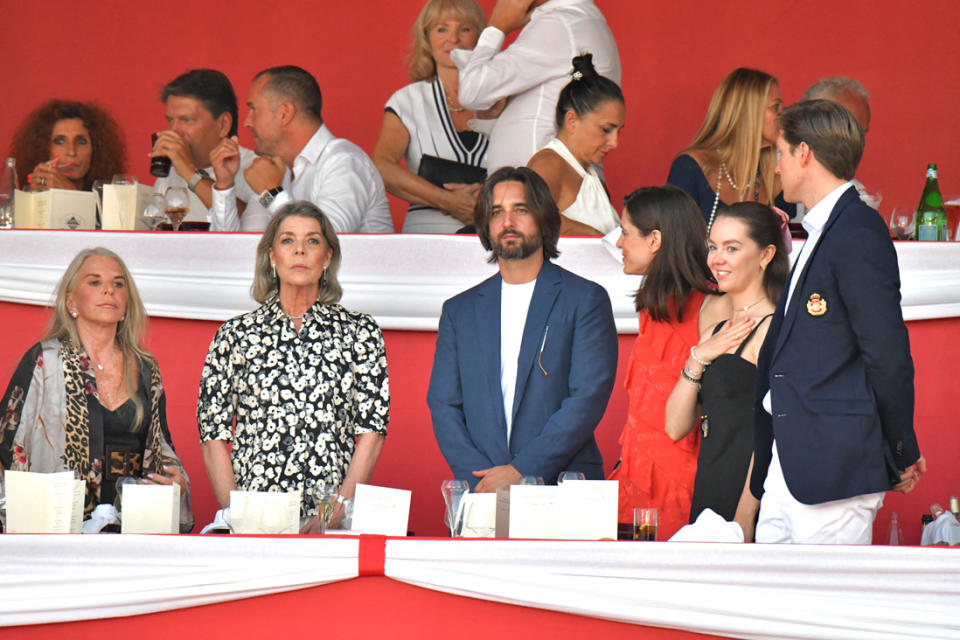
(784, 519)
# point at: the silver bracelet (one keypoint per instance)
(693, 381)
(693, 354)
(694, 373)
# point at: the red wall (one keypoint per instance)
(411, 458)
(673, 53)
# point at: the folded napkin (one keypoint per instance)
(709, 527)
(102, 515)
(220, 524)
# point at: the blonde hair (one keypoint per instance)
(733, 128)
(421, 65)
(130, 329)
(266, 286)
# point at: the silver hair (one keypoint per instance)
(832, 86)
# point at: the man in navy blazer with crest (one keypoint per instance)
(834, 413)
(525, 361)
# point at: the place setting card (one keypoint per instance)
(43, 502)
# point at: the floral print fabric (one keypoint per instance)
(298, 399)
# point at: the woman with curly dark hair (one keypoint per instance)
(68, 145)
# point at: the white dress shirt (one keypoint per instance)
(334, 174)
(813, 222)
(254, 217)
(531, 72)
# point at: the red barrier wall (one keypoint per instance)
(411, 458)
(673, 53)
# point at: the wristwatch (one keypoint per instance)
(195, 179)
(267, 196)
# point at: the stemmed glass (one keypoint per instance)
(571, 475)
(902, 222)
(124, 178)
(154, 210)
(453, 491)
(177, 205)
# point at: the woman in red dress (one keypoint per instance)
(663, 239)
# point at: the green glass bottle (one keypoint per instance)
(931, 221)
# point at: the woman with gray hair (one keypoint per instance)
(304, 379)
(88, 398)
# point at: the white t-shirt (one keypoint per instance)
(514, 304)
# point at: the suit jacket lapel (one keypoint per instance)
(541, 304)
(488, 345)
(790, 314)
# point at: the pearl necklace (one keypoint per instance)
(723, 169)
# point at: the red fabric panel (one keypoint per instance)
(372, 555)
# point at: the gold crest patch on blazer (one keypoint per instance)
(816, 305)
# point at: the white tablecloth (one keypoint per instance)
(402, 280)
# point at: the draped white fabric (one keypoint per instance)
(401, 279)
(735, 590)
(82, 577)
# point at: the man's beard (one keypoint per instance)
(526, 248)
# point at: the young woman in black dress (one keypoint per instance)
(747, 257)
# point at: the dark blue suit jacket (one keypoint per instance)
(841, 382)
(570, 332)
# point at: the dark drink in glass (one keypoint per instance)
(159, 165)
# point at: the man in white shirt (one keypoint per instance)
(531, 71)
(525, 361)
(299, 159)
(201, 110)
(834, 414)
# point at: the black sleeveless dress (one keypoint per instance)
(726, 443)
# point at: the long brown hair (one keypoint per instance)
(31, 140)
(680, 266)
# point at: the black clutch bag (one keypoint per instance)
(438, 171)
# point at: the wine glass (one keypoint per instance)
(453, 491)
(177, 205)
(902, 222)
(124, 178)
(571, 475)
(154, 210)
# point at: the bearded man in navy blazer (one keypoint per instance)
(834, 416)
(525, 361)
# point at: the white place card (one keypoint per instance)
(575, 510)
(478, 512)
(55, 209)
(535, 512)
(122, 206)
(150, 508)
(381, 510)
(590, 509)
(43, 502)
(265, 512)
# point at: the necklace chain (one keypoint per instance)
(749, 306)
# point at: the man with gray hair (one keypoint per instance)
(846, 91)
(855, 97)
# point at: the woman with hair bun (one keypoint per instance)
(747, 255)
(88, 398)
(590, 114)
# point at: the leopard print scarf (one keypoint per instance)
(79, 381)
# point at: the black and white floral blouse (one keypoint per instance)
(300, 399)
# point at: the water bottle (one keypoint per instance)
(8, 187)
